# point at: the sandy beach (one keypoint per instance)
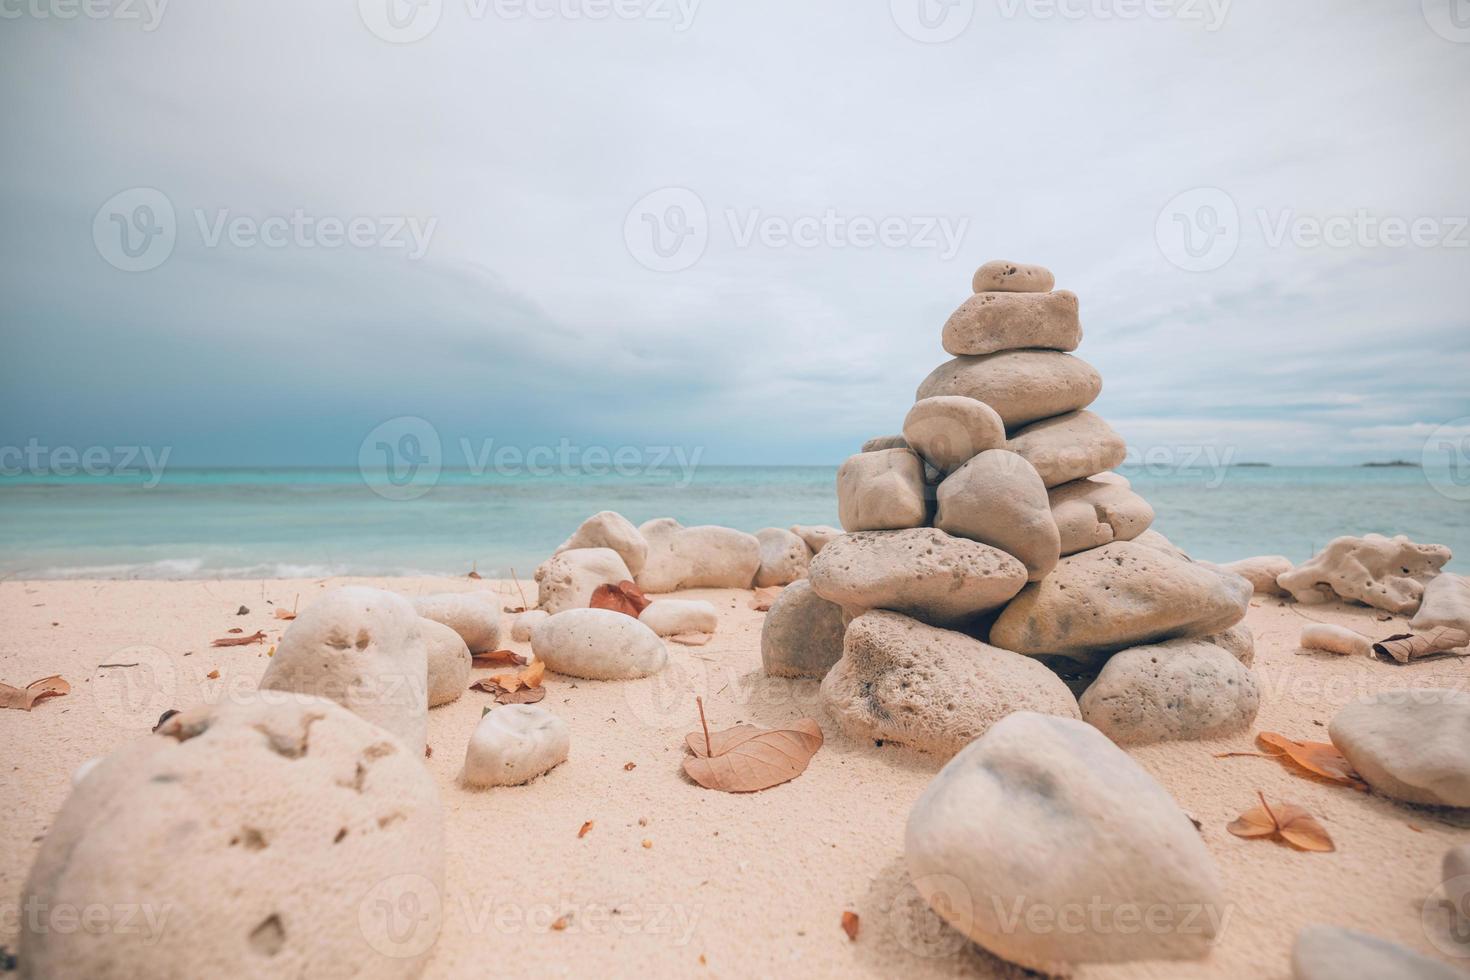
(673, 879)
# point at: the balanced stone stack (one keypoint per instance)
(991, 538)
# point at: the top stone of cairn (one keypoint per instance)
(1012, 277)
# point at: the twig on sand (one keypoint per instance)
(708, 750)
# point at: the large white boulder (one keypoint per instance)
(364, 649)
(475, 616)
(998, 499)
(670, 617)
(784, 557)
(947, 430)
(1446, 602)
(1181, 689)
(923, 572)
(802, 633)
(1069, 447)
(567, 579)
(599, 644)
(276, 835)
(1412, 745)
(705, 556)
(881, 491)
(1097, 511)
(609, 529)
(1046, 844)
(1386, 573)
(1023, 386)
(901, 681)
(995, 321)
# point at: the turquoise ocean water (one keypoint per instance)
(293, 522)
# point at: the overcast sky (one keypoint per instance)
(730, 224)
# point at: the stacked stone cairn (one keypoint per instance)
(992, 562)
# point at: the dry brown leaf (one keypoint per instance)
(559, 924)
(500, 658)
(25, 698)
(285, 613)
(213, 674)
(1405, 647)
(239, 641)
(761, 599)
(625, 597)
(1285, 820)
(629, 766)
(585, 828)
(691, 639)
(745, 759)
(850, 923)
(1319, 758)
(520, 687)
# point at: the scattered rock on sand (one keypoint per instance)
(475, 616)
(901, 681)
(784, 557)
(1386, 573)
(514, 744)
(995, 321)
(998, 499)
(1120, 595)
(1023, 386)
(947, 430)
(268, 828)
(1032, 822)
(1261, 572)
(1323, 952)
(670, 617)
(923, 572)
(609, 529)
(1180, 689)
(802, 634)
(1446, 602)
(524, 623)
(1069, 447)
(599, 644)
(1093, 512)
(816, 536)
(1000, 276)
(882, 490)
(449, 662)
(1410, 744)
(1335, 639)
(879, 443)
(1238, 641)
(567, 579)
(364, 649)
(705, 556)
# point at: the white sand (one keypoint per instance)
(733, 885)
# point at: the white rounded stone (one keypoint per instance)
(1386, 573)
(524, 623)
(1412, 745)
(802, 633)
(364, 649)
(475, 616)
(514, 744)
(947, 430)
(1001, 276)
(1182, 689)
(567, 580)
(784, 557)
(706, 556)
(998, 499)
(1323, 952)
(609, 529)
(449, 662)
(670, 617)
(599, 644)
(881, 491)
